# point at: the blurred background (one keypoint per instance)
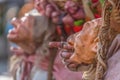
(8, 10)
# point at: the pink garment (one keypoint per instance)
(113, 72)
(62, 73)
(59, 70)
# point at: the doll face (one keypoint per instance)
(71, 7)
(22, 33)
(85, 50)
(55, 17)
(40, 5)
(85, 47)
(22, 28)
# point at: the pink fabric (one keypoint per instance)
(62, 73)
(28, 62)
(44, 63)
(59, 70)
(113, 72)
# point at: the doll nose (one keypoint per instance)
(15, 22)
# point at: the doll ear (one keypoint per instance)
(94, 48)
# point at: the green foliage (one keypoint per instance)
(79, 22)
(102, 1)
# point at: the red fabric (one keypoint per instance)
(68, 30)
(94, 1)
(59, 31)
(77, 28)
(97, 15)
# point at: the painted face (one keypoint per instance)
(71, 7)
(60, 3)
(85, 47)
(40, 5)
(22, 27)
(22, 33)
(55, 17)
